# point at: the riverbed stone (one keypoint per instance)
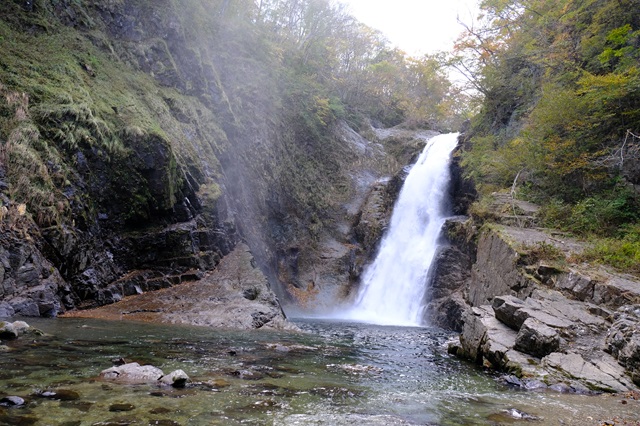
(21, 327)
(12, 401)
(177, 379)
(132, 373)
(7, 331)
(121, 406)
(59, 394)
(537, 339)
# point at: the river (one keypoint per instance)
(331, 373)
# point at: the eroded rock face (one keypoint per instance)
(236, 295)
(570, 328)
(449, 273)
(623, 340)
(29, 284)
(495, 271)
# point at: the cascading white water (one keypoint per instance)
(393, 286)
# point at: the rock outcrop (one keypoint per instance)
(527, 311)
(236, 295)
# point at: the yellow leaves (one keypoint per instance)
(609, 86)
(322, 110)
(22, 209)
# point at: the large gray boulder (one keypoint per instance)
(484, 338)
(507, 309)
(12, 330)
(177, 379)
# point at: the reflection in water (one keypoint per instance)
(333, 374)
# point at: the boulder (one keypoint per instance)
(616, 292)
(579, 285)
(571, 318)
(21, 327)
(13, 330)
(135, 374)
(12, 401)
(537, 339)
(177, 379)
(7, 331)
(132, 373)
(6, 310)
(484, 338)
(507, 309)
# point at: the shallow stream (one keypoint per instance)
(331, 374)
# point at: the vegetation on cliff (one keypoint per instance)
(560, 113)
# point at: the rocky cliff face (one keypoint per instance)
(108, 166)
(142, 141)
(524, 309)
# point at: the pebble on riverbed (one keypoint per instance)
(12, 401)
(121, 407)
(355, 368)
(512, 414)
(59, 395)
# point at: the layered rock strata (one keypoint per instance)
(528, 313)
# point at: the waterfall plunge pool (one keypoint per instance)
(332, 373)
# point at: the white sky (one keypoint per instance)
(415, 26)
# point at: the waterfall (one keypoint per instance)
(393, 287)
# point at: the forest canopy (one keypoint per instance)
(560, 112)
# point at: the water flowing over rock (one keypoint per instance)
(393, 286)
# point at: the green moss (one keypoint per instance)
(82, 97)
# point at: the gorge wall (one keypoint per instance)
(142, 141)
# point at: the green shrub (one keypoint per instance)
(623, 253)
(601, 215)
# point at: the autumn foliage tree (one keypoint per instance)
(355, 66)
(560, 83)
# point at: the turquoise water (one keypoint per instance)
(330, 374)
